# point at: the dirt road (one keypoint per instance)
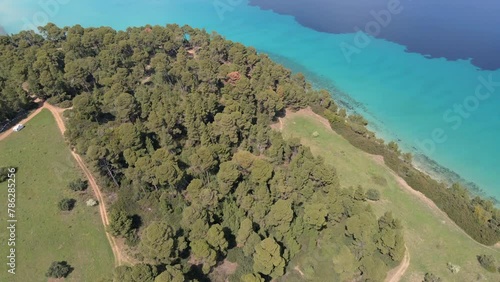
(119, 259)
(10, 131)
(396, 274)
(432, 206)
(102, 208)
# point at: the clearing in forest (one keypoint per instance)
(432, 238)
(44, 233)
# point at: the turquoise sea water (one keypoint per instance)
(454, 29)
(406, 96)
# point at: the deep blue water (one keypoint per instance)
(453, 29)
(442, 109)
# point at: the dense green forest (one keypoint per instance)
(175, 121)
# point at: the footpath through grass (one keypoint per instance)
(43, 233)
(432, 239)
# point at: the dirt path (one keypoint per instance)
(402, 183)
(397, 273)
(432, 206)
(10, 131)
(119, 258)
(57, 113)
(102, 208)
(278, 126)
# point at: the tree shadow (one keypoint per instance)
(230, 238)
(136, 221)
(195, 272)
(71, 204)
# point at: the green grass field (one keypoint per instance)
(45, 234)
(432, 239)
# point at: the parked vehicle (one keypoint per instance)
(18, 127)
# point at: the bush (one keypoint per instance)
(78, 185)
(58, 269)
(60, 101)
(132, 239)
(55, 100)
(453, 268)
(429, 277)
(120, 223)
(65, 104)
(244, 263)
(235, 255)
(393, 146)
(66, 204)
(373, 194)
(91, 203)
(407, 158)
(487, 262)
(4, 172)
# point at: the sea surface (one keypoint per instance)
(429, 80)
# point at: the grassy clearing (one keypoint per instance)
(432, 239)
(45, 234)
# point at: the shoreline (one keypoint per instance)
(380, 160)
(421, 162)
(426, 164)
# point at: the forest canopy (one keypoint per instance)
(175, 121)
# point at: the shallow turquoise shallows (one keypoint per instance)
(446, 110)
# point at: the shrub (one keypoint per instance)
(120, 223)
(244, 263)
(4, 172)
(132, 239)
(407, 158)
(66, 204)
(487, 262)
(58, 269)
(65, 104)
(393, 146)
(429, 277)
(373, 194)
(453, 268)
(91, 203)
(235, 255)
(55, 100)
(78, 185)
(359, 194)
